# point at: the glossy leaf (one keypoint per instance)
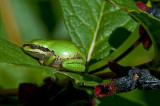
(150, 23)
(118, 52)
(93, 24)
(10, 53)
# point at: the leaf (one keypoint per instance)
(125, 100)
(92, 24)
(135, 97)
(152, 26)
(82, 79)
(10, 53)
(11, 75)
(150, 23)
(118, 52)
(17, 67)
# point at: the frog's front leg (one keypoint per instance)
(75, 65)
(47, 60)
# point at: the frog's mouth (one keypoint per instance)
(35, 46)
(36, 53)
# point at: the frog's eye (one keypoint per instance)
(53, 52)
(33, 46)
(44, 49)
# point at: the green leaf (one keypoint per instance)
(150, 23)
(118, 52)
(17, 67)
(10, 53)
(11, 75)
(82, 79)
(93, 24)
(132, 98)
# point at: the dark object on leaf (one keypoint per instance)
(146, 40)
(52, 94)
(154, 12)
(118, 69)
(136, 78)
(142, 6)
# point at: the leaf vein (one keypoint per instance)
(96, 33)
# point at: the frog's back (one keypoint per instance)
(65, 49)
(61, 48)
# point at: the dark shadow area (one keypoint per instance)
(152, 97)
(118, 37)
(117, 101)
(50, 13)
(47, 14)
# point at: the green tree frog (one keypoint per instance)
(62, 55)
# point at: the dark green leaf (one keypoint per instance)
(131, 98)
(82, 79)
(151, 24)
(11, 75)
(10, 53)
(93, 24)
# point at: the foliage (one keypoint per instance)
(102, 29)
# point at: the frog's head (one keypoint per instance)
(36, 49)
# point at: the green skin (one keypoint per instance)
(62, 55)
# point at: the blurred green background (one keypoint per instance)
(24, 20)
